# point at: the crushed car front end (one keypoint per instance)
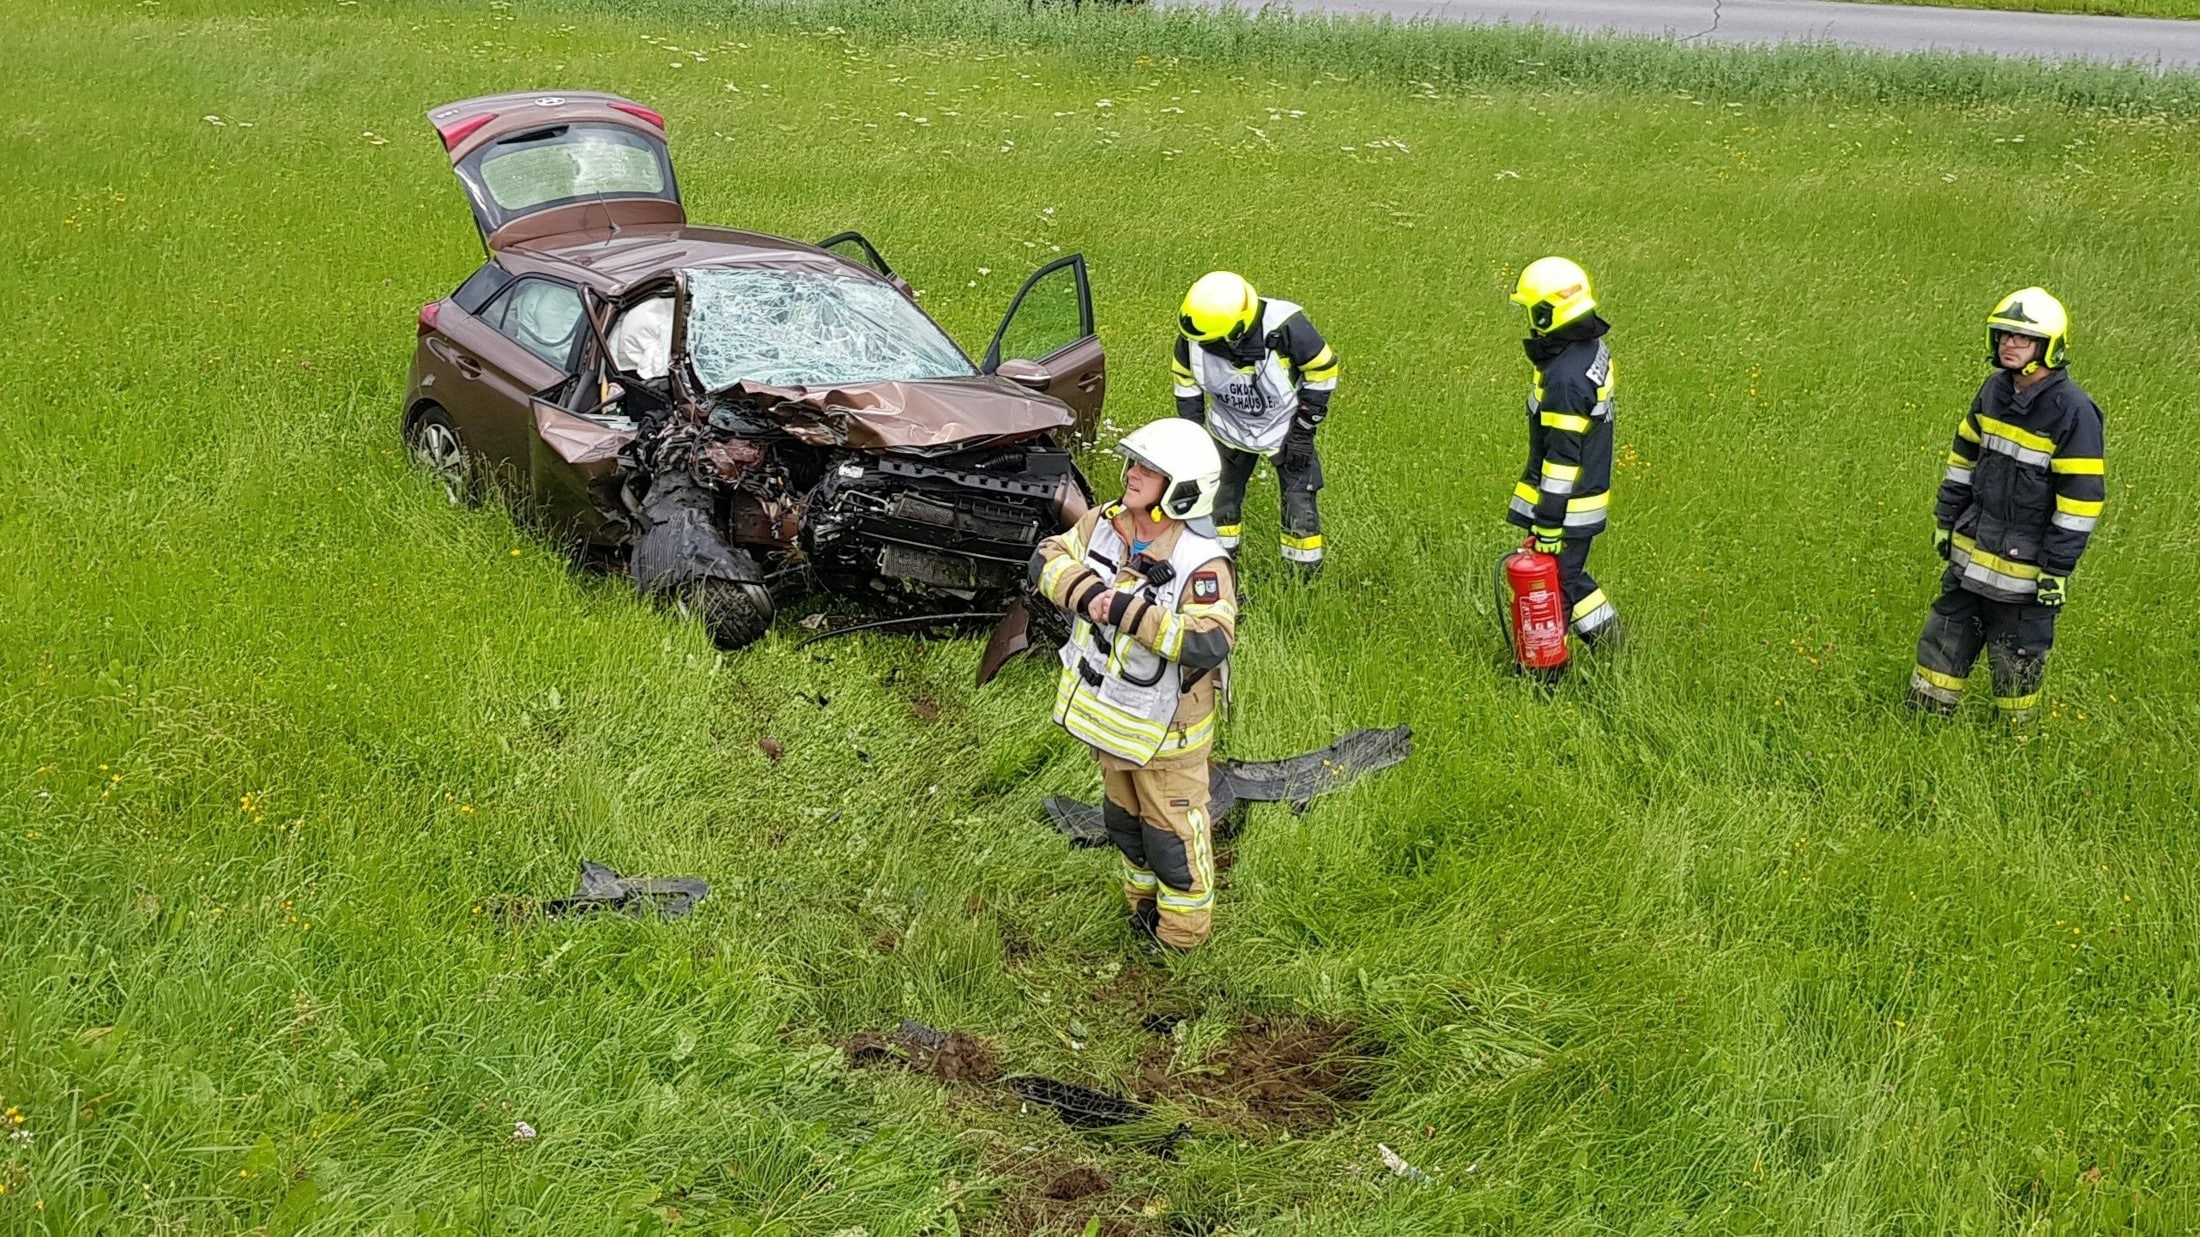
(844, 444)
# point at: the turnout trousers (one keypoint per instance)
(1302, 517)
(2015, 636)
(1156, 815)
(1588, 610)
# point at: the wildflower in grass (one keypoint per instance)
(521, 1131)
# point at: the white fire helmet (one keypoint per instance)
(1182, 452)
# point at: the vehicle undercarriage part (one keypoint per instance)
(1030, 626)
(665, 897)
(1235, 783)
(679, 556)
(908, 622)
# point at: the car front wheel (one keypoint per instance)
(436, 447)
(735, 615)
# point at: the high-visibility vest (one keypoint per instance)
(1115, 693)
(1250, 409)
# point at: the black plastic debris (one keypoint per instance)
(642, 897)
(1082, 1107)
(1234, 783)
(916, 1036)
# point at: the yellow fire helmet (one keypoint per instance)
(1220, 308)
(2031, 312)
(1555, 291)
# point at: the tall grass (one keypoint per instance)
(1713, 939)
(1455, 56)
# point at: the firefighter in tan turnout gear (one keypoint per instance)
(2019, 500)
(1152, 601)
(1259, 376)
(1565, 492)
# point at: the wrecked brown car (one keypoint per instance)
(734, 416)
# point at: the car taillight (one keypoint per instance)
(427, 315)
(463, 129)
(636, 109)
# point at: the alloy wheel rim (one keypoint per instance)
(437, 449)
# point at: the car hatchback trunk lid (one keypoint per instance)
(542, 164)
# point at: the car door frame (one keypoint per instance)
(573, 445)
(871, 256)
(496, 420)
(1076, 372)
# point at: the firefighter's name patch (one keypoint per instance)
(1206, 586)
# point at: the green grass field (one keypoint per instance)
(1715, 939)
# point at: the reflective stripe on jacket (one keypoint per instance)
(1122, 688)
(1252, 392)
(1566, 487)
(2024, 485)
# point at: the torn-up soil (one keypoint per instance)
(1296, 1073)
(1047, 1195)
(961, 1058)
(953, 1056)
(1082, 1181)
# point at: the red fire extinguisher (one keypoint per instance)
(1535, 612)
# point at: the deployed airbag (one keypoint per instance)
(641, 342)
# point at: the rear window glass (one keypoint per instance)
(479, 287)
(798, 328)
(566, 163)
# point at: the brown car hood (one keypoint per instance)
(939, 414)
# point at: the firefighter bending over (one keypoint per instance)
(1152, 600)
(1259, 376)
(2023, 490)
(1563, 494)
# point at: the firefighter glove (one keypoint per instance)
(2051, 590)
(1547, 541)
(1297, 455)
(1943, 541)
(1192, 408)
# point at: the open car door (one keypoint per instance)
(1047, 343)
(537, 165)
(573, 471)
(858, 249)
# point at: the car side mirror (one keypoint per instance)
(1027, 374)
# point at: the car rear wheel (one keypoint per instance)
(735, 615)
(438, 449)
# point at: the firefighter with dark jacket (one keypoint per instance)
(2023, 490)
(1259, 376)
(1564, 493)
(1152, 601)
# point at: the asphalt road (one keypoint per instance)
(2156, 43)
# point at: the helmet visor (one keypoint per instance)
(1229, 335)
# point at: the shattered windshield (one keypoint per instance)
(801, 328)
